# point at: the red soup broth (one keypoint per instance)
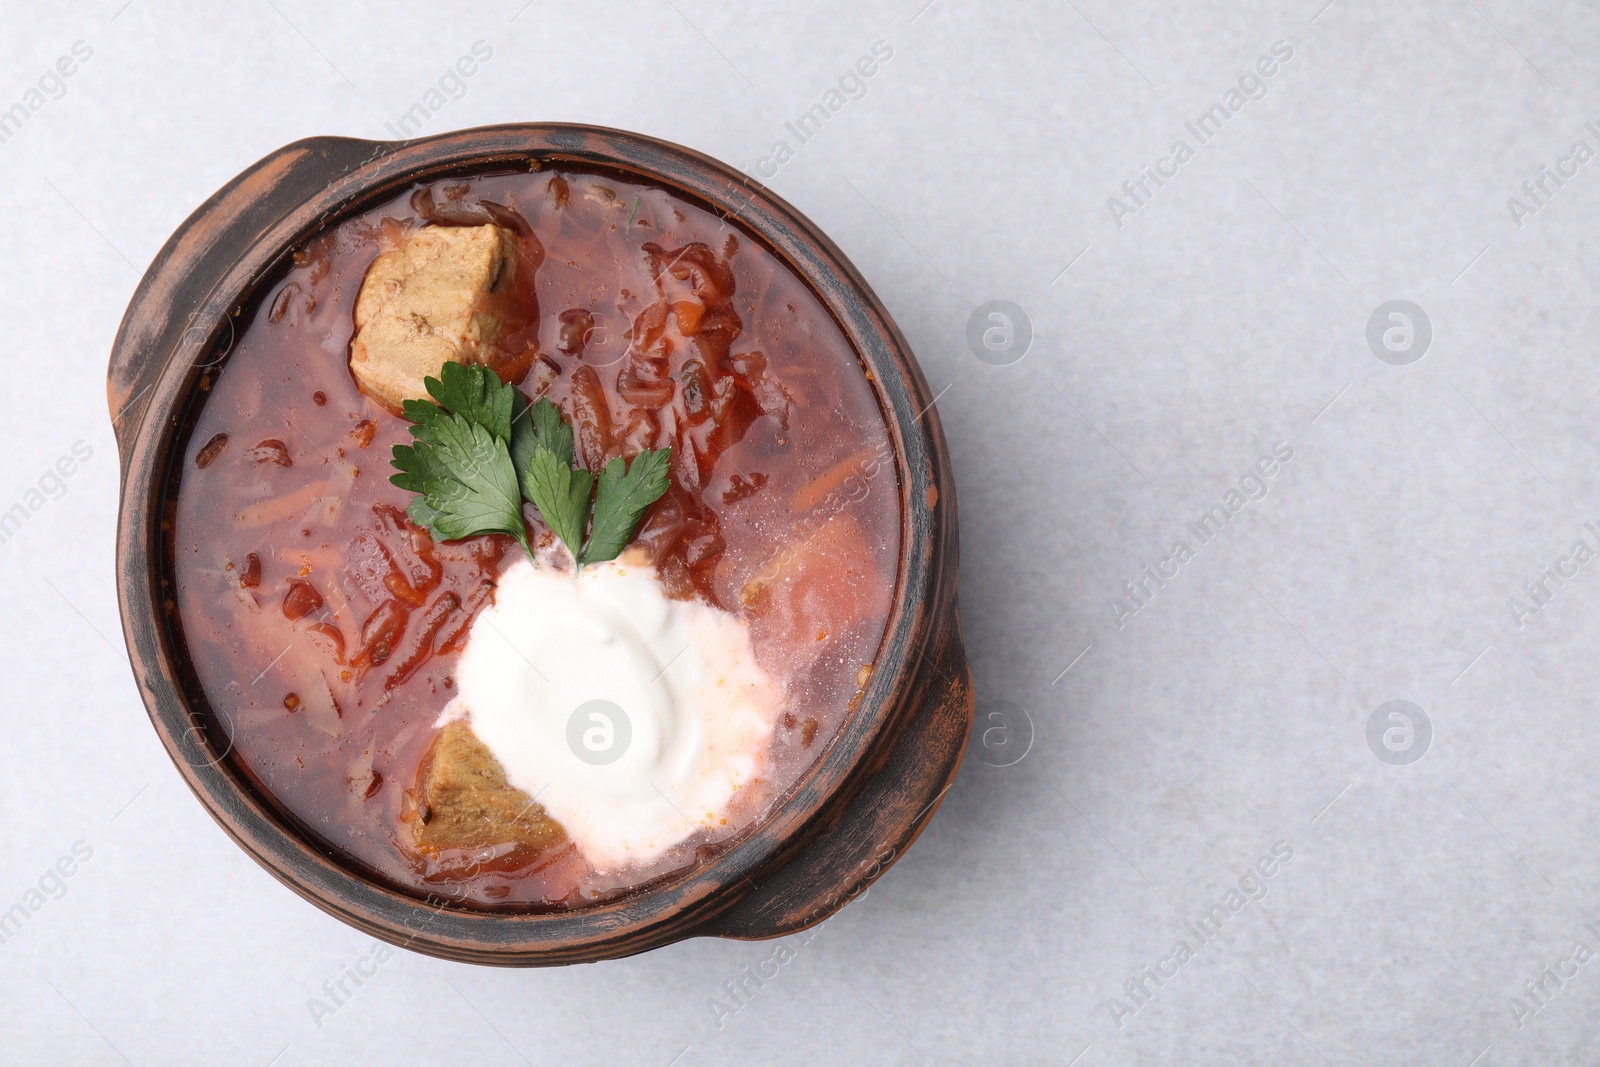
(323, 626)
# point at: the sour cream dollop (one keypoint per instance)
(633, 719)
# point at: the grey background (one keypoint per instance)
(1230, 713)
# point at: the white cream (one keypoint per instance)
(680, 678)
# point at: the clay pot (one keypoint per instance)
(845, 822)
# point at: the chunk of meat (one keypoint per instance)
(465, 802)
(444, 295)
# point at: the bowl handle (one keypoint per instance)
(880, 822)
(201, 251)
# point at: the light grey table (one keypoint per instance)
(1232, 720)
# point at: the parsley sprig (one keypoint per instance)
(480, 449)
(460, 464)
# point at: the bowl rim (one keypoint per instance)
(663, 911)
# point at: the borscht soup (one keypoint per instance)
(533, 537)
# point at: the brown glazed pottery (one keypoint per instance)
(844, 822)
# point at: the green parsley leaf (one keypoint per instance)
(560, 493)
(524, 438)
(535, 426)
(555, 433)
(465, 479)
(625, 492)
(477, 394)
(473, 392)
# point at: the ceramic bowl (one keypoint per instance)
(846, 820)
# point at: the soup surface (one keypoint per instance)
(325, 627)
